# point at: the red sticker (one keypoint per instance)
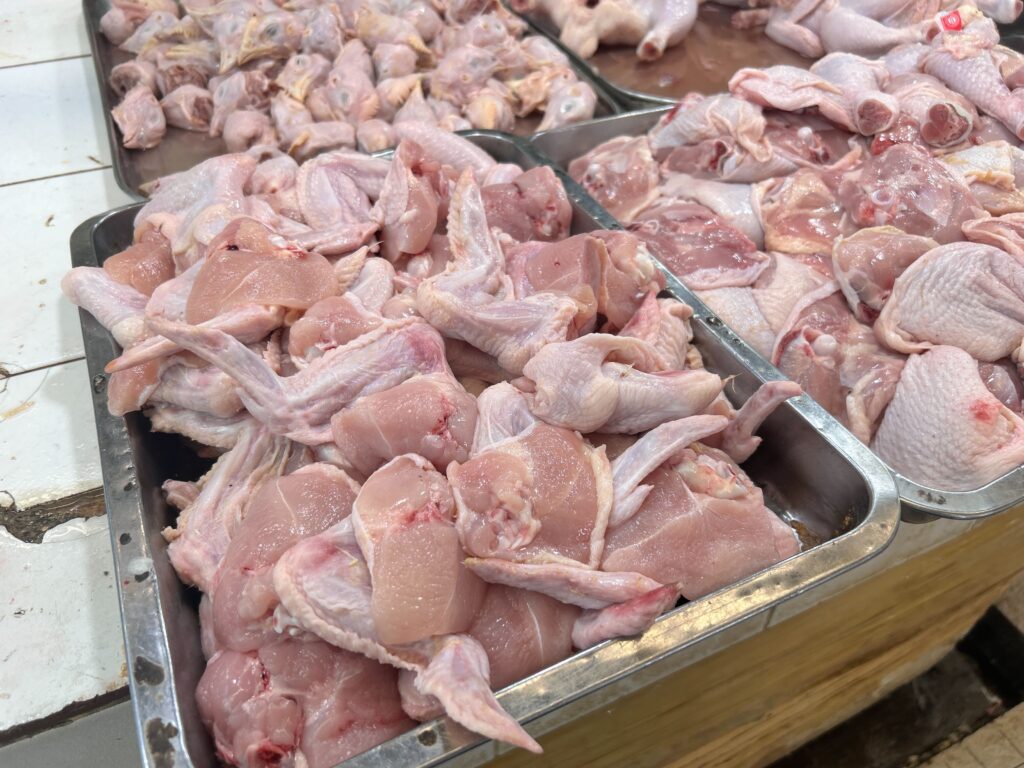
(951, 22)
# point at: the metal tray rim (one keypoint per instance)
(530, 699)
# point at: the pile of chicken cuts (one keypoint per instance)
(812, 28)
(325, 74)
(860, 224)
(453, 442)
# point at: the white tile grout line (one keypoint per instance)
(100, 167)
(6, 373)
(45, 61)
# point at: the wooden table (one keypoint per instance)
(831, 653)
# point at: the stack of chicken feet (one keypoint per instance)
(324, 74)
(861, 225)
(453, 442)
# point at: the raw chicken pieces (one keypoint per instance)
(843, 219)
(318, 76)
(652, 25)
(941, 393)
(397, 366)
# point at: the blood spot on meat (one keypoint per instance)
(984, 410)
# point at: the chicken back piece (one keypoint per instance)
(280, 513)
(300, 700)
(942, 393)
(403, 521)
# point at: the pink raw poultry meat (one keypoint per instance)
(801, 213)
(994, 171)
(408, 205)
(453, 668)
(940, 117)
(1003, 380)
(975, 301)
(205, 389)
(430, 415)
(862, 82)
(231, 279)
(1006, 232)
(522, 631)
(301, 405)
(907, 188)
(532, 207)
(188, 107)
(280, 513)
(200, 538)
(734, 203)
(628, 274)
(941, 393)
(181, 205)
(116, 306)
(868, 263)
(298, 700)
(330, 323)
(792, 89)
(662, 323)
(403, 520)
(541, 494)
(469, 301)
(838, 362)
(632, 617)
(970, 69)
(612, 384)
(620, 174)
(571, 267)
(140, 119)
(701, 525)
(697, 246)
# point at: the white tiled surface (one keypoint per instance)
(51, 120)
(60, 638)
(41, 30)
(48, 446)
(41, 327)
(60, 635)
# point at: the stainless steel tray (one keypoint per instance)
(813, 472)
(703, 62)
(182, 149)
(920, 503)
